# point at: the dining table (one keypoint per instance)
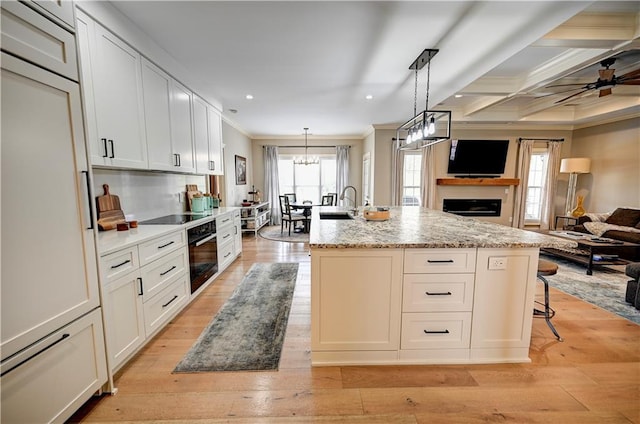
(306, 212)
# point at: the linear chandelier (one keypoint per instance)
(429, 126)
(306, 161)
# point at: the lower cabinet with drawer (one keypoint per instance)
(143, 287)
(226, 235)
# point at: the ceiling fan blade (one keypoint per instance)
(604, 92)
(566, 85)
(573, 95)
(630, 75)
(630, 82)
(606, 74)
(558, 92)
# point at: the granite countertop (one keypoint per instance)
(113, 240)
(415, 227)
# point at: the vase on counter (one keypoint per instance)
(579, 209)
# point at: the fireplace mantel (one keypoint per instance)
(479, 181)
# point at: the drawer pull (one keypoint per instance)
(120, 264)
(227, 255)
(436, 332)
(440, 261)
(226, 220)
(165, 245)
(170, 302)
(226, 236)
(64, 336)
(438, 294)
(168, 271)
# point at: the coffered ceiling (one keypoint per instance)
(312, 63)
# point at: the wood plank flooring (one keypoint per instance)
(593, 377)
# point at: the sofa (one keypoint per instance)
(633, 289)
(622, 224)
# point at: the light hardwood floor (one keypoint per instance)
(593, 377)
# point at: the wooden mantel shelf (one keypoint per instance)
(479, 181)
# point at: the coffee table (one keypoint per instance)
(593, 244)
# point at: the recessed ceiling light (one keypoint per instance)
(457, 96)
(233, 110)
(369, 96)
(248, 97)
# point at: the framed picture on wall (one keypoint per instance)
(241, 170)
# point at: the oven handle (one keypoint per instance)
(204, 240)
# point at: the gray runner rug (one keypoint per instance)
(248, 331)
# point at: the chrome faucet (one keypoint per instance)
(355, 197)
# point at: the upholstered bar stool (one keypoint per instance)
(546, 268)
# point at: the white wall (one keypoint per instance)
(236, 143)
(614, 150)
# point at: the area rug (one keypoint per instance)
(248, 331)
(272, 232)
(605, 288)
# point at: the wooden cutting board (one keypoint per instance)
(109, 211)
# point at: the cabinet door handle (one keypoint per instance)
(175, 159)
(170, 302)
(88, 181)
(440, 261)
(64, 336)
(436, 331)
(438, 293)
(165, 245)
(168, 271)
(104, 144)
(212, 165)
(113, 151)
(141, 292)
(235, 227)
(120, 264)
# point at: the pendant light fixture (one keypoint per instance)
(429, 126)
(306, 161)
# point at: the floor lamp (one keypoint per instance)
(573, 167)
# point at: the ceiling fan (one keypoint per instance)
(606, 81)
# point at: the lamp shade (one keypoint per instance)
(575, 165)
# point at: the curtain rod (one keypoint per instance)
(542, 139)
(310, 147)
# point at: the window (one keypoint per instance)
(308, 182)
(536, 185)
(411, 179)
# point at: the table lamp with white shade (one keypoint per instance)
(573, 166)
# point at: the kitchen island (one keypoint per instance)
(424, 287)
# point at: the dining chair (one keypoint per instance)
(327, 200)
(286, 215)
(291, 197)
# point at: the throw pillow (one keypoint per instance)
(624, 217)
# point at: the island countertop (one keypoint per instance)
(416, 227)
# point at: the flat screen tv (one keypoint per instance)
(477, 158)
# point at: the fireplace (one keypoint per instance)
(472, 207)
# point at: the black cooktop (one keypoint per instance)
(174, 219)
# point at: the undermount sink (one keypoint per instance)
(336, 215)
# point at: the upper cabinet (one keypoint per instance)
(111, 77)
(167, 107)
(207, 124)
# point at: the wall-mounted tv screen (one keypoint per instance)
(475, 158)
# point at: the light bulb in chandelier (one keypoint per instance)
(432, 125)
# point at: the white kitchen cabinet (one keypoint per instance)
(112, 88)
(356, 298)
(503, 306)
(136, 282)
(62, 372)
(225, 236)
(237, 224)
(167, 107)
(207, 130)
(60, 9)
(123, 314)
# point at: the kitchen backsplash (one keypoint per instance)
(147, 194)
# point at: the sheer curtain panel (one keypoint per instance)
(397, 170)
(525, 148)
(548, 196)
(271, 182)
(342, 169)
(428, 181)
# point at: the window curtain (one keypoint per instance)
(272, 182)
(397, 169)
(548, 196)
(342, 169)
(524, 159)
(428, 180)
